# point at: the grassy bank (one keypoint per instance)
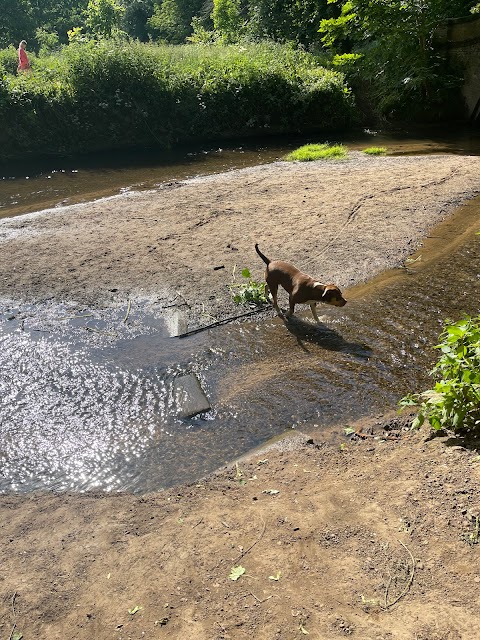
(101, 95)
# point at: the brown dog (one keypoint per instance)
(302, 289)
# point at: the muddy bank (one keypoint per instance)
(179, 245)
(374, 539)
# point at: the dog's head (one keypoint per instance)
(331, 294)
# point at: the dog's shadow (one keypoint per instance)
(324, 337)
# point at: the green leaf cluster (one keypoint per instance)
(454, 402)
(249, 292)
(103, 16)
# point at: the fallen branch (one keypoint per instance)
(220, 322)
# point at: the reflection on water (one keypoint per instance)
(49, 182)
(99, 413)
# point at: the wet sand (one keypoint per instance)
(342, 222)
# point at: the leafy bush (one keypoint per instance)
(454, 402)
(318, 152)
(107, 94)
(248, 292)
(8, 60)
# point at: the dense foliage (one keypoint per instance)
(345, 25)
(393, 44)
(104, 94)
(95, 85)
(170, 21)
(454, 401)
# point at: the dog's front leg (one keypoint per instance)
(313, 307)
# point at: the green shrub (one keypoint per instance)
(8, 60)
(108, 94)
(318, 152)
(454, 401)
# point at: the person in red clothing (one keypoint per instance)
(23, 62)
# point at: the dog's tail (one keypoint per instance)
(264, 258)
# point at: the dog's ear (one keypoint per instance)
(328, 289)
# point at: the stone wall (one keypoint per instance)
(460, 38)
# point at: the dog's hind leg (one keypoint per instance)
(273, 289)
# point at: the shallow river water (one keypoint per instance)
(87, 396)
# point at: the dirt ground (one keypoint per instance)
(374, 536)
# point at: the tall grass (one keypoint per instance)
(100, 95)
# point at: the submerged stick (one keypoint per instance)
(220, 322)
(128, 312)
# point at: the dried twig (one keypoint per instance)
(14, 616)
(245, 551)
(407, 586)
(88, 315)
(258, 599)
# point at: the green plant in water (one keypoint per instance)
(375, 151)
(249, 292)
(454, 401)
(318, 152)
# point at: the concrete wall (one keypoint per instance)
(460, 38)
